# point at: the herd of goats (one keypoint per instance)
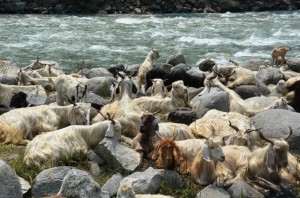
(220, 147)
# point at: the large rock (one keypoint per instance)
(182, 115)
(117, 155)
(294, 64)
(96, 101)
(206, 65)
(98, 72)
(212, 191)
(8, 79)
(112, 185)
(248, 91)
(275, 123)
(254, 64)
(181, 66)
(171, 177)
(215, 99)
(147, 182)
(49, 181)
(242, 189)
(78, 183)
(101, 85)
(196, 72)
(9, 185)
(176, 59)
(270, 76)
(132, 69)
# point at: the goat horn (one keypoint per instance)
(110, 118)
(290, 133)
(199, 136)
(250, 130)
(157, 111)
(105, 118)
(133, 74)
(84, 92)
(120, 75)
(175, 135)
(264, 138)
(158, 136)
(231, 74)
(234, 127)
(70, 101)
(213, 133)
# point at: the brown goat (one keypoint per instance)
(168, 156)
(279, 52)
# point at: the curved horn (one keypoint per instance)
(84, 91)
(111, 119)
(105, 118)
(120, 75)
(157, 111)
(175, 135)
(70, 101)
(264, 138)
(234, 127)
(199, 136)
(290, 133)
(251, 130)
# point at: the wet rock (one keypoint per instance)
(181, 66)
(101, 85)
(294, 64)
(254, 64)
(206, 65)
(176, 59)
(270, 76)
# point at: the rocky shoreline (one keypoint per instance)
(142, 6)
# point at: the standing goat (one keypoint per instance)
(158, 89)
(51, 148)
(267, 161)
(19, 125)
(145, 67)
(279, 52)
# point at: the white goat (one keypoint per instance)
(146, 66)
(267, 161)
(70, 87)
(176, 130)
(236, 103)
(126, 191)
(179, 98)
(51, 148)
(7, 92)
(158, 89)
(125, 84)
(19, 125)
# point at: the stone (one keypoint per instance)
(182, 115)
(96, 100)
(275, 123)
(9, 185)
(25, 186)
(48, 182)
(101, 85)
(146, 182)
(254, 64)
(132, 69)
(8, 79)
(294, 64)
(181, 66)
(206, 65)
(78, 183)
(196, 72)
(91, 155)
(270, 76)
(241, 189)
(118, 155)
(112, 184)
(212, 191)
(98, 72)
(36, 100)
(176, 59)
(171, 177)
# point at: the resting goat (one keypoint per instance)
(8, 91)
(51, 148)
(19, 125)
(179, 98)
(236, 103)
(145, 67)
(266, 162)
(158, 89)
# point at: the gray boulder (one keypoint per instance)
(241, 189)
(176, 59)
(132, 69)
(36, 100)
(196, 72)
(8, 79)
(294, 64)
(212, 191)
(112, 185)
(78, 183)
(98, 72)
(254, 64)
(171, 177)
(49, 181)
(9, 185)
(101, 85)
(182, 115)
(270, 76)
(215, 99)
(25, 186)
(181, 66)
(117, 155)
(147, 182)
(206, 65)
(275, 123)
(248, 91)
(96, 100)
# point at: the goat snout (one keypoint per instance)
(222, 158)
(169, 160)
(142, 129)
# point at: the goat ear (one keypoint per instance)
(270, 160)
(110, 131)
(134, 88)
(205, 152)
(118, 90)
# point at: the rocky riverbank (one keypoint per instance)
(141, 6)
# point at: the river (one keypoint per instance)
(103, 40)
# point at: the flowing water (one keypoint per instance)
(113, 39)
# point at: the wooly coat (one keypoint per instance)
(18, 126)
(51, 148)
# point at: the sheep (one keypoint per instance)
(232, 127)
(7, 92)
(236, 76)
(18, 126)
(70, 87)
(279, 52)
(267, 161)
(50, 148)
(126, 191)
(145, 67)
(124, 110)
(172, 76)
(236, 103)
(158, 89)
(179, 98)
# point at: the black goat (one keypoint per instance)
(116, 69)
(172, 76)
(295, 103)
(19, 100)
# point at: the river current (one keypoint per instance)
(113, 39)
